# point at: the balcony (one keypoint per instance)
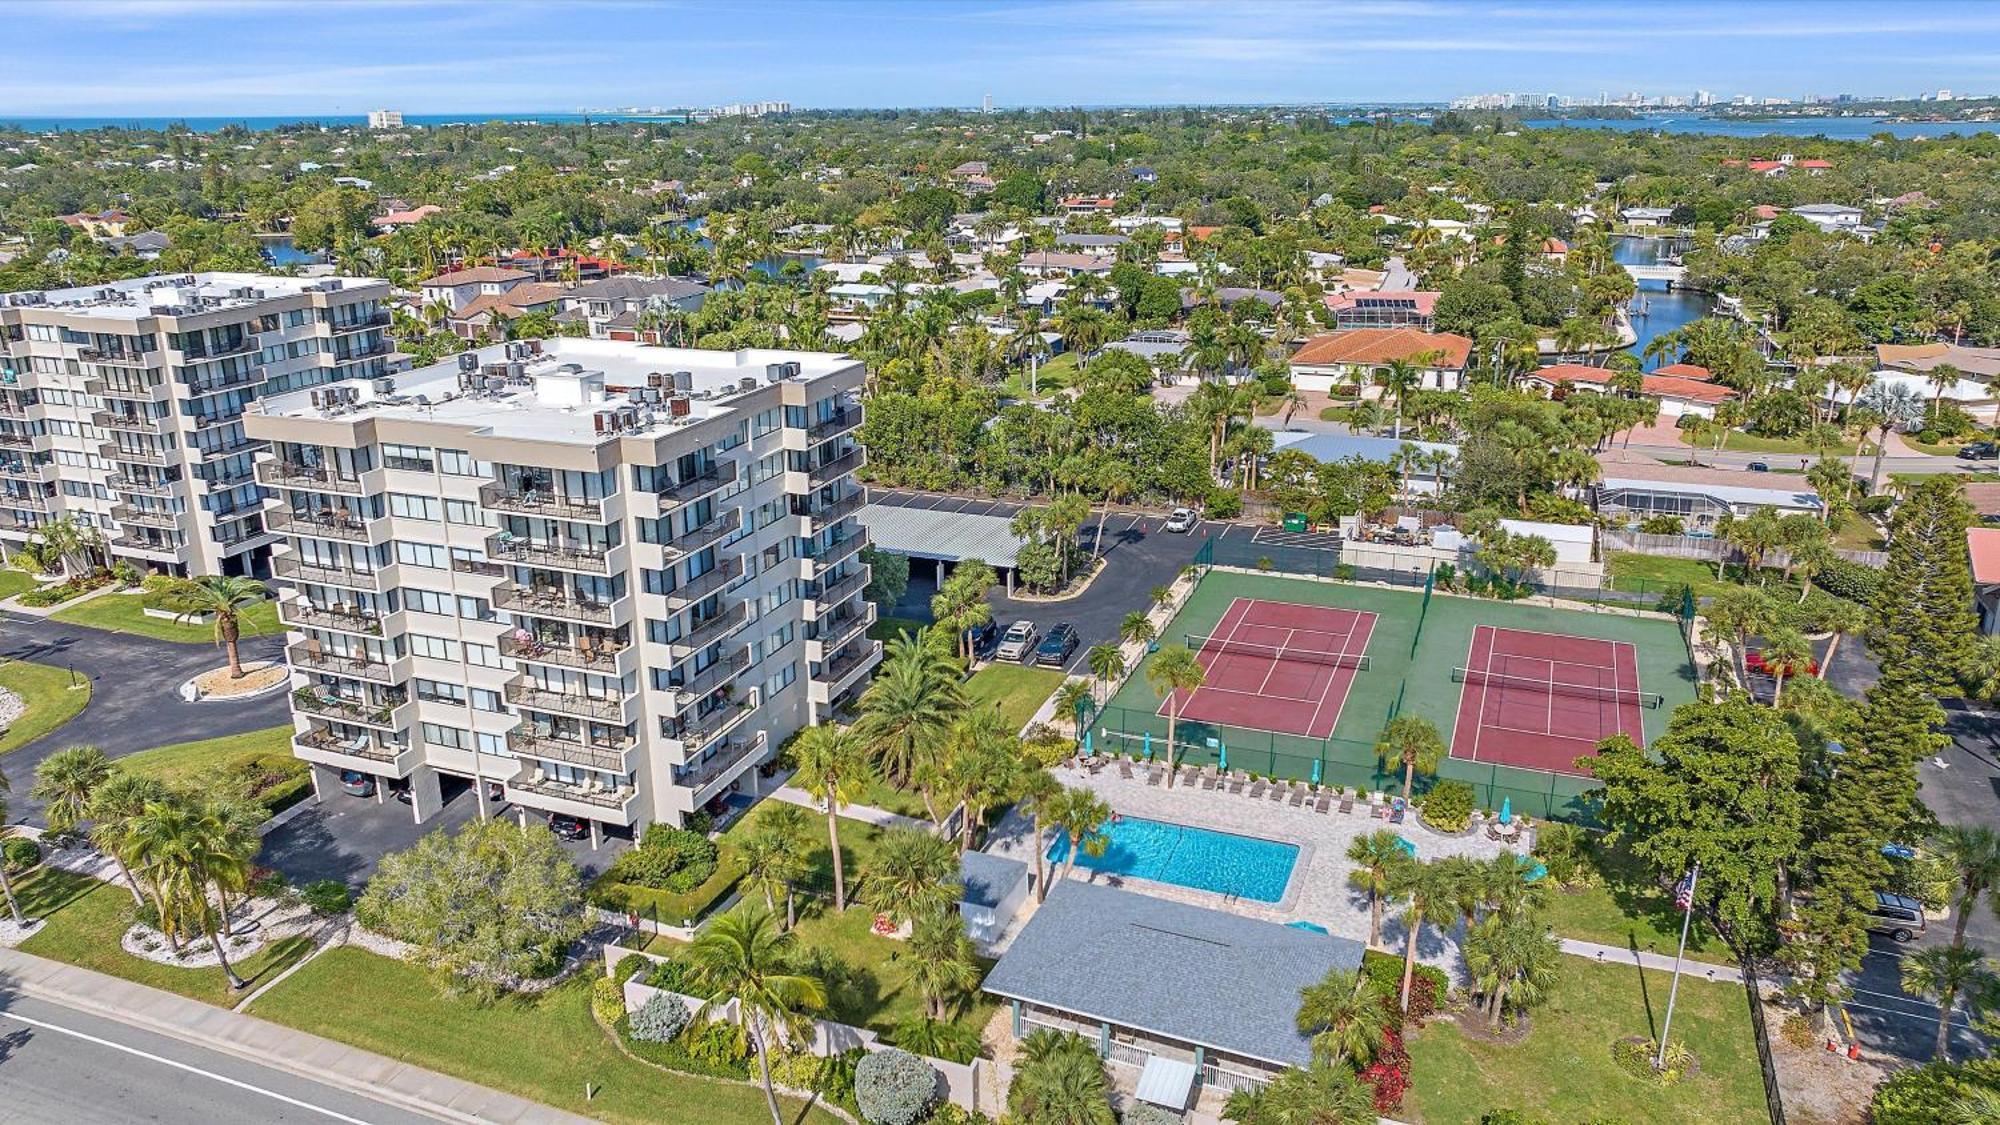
(719, 527)
(317, 478)
(112, 451)
(611, 757)
(843, 421)
(341, 328)
(714, 629)
(693, 734)
(294, 567)
(145, 517)
(369, 753)
(114, 359)
(311, 656)
(11, 440)
(833, 513)
(240, 346)
(715, 477)
(589, 800)
(507, 548)
(833, 470)
(589, 656)
(148, 390)
(544, 602)
(240, 445)
(328, 523)
(240, 531)
(129, 487)
(216, 384)
(305, 615)
(604, 709)
(838, 630)
(156, 549)
(716, 578)
(121, 420)
(549, 505)
(392, 714)
(707, 778)
(228, 478)
(836, 676)
(11, 407)
(833, 554)
(825, 596)
(714, 676)
(32, 501)
(25, 470)
(478, 567)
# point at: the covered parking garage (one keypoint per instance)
(943, 535)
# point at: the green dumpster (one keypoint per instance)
(1295, 521)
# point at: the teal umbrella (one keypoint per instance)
(1506, 810)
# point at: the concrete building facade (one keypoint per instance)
(602, 579)
(121, 404)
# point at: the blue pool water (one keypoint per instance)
(1191, 857)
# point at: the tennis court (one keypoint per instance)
(1277, 666)
(1542, 700)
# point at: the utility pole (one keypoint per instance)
(1686, 902)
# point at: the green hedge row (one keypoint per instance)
(666, 906)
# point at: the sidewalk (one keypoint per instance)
(268, 1044)
(867, 814)
(1705, 970)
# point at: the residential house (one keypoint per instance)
(1089, 204)
(1634, 487)
(103, 224)
(1831, 217)
(1056, 264)
(1643, 217)
(1382, 308)
(1426, 474)
(1145, 175)
(1677, 396)
(1101, 245)
(970, 170)
(1982, 545)
(1983, 363)
(1126, 224)
(397, 220)
(1973, 395)
(1360, 357)
(487, 314)
(459, 288)
(147, 244)
(1229, 296)
(612, 307)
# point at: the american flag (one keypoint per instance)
(1684, 892)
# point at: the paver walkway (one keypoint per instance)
(1705, 970)
(246, 1037)
(867, 814)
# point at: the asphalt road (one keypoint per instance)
(1864, 466)
(62, 1065)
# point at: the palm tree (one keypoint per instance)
(1411, 744)
(833, 767)
(1511, 960)
(1175, 674)
(225, 598)
(908, 707)
(1785, 651)
(114, 806)
(1342, 1013)
(185, 850)
(1973, 852)
(1941, 378)
(1377, 858)
(1429, 901)
(744, 956)
(911, 876)
(1060, 1081)
(1105, 662)
(1944, 973)
(6, 881)
(1398, 377)
(64, 782)
(1036, 792)
(942, 964)
(1079, 816)
(1979, 1105)
(1316, 1095)
(1137, 628)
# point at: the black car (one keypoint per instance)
(985, 638)
(1057, 645)
(568, 827)
(1979, 451)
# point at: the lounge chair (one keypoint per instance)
(1278, 790)
(1236, 782)
(1324, 802)
(1186, 777)
(1346, 803)
(1209, 780)
(1154, 775)
(1257, 788)
(1298, 796)
(1124, 769)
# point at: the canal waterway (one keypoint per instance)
(1656, 310)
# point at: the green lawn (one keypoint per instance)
(1017, 690)
(1629, 570)
(50, 701)
(1624, 907)
(1563, 1070)
(86, 918)
(882, 795)
(121, 613)
(882, 995)
(1858, 534)
(1053, 375)
(262, 757)
(1740, 442)
(1935, 448)
(886, 628)
(545, 1048)
(14, 581)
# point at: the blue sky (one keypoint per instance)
(199, 57)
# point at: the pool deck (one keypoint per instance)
(1318, 891)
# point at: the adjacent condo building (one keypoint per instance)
(592, 578)
(121, 404)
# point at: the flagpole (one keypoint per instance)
(1673, 992)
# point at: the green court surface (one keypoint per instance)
(1409, 673)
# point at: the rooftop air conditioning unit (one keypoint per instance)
(570, 369)
(774, 372)
(600, 422)
(655, 379)
(468, 361)
(684, 381)
(495, 384)
(679, 406)
(517, 372)
(746, 384)
(385, 386)
(791, 369)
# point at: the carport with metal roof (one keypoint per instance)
(943, 537)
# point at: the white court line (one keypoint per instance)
(1273, 669)
(1326, 691)
(1478, 716)
(1254, 695)
(177, 1065)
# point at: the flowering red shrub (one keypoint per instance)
(1389, 1074)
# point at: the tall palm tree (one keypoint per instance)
(744, 956)
(7, 881)
(1411, 744)
(186, 850)
(1104, 662)
(1136, 628)
(1377, 858)
(1037, 791)
(1175, 674)
(1944, 973)
(1060, 1081)
(911, 876)
(64, 782)
(1785, 651)
(1428, 900)
(1511, 959)
(225, 597)
(1342, 1014)
(908, 707)
(1079, 816)
(833, 767)
(1841, 618)
(942, 964)
(1316, 1095)
(114, 806)
(1973, 851)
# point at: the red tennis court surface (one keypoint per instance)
(1542, 700)
(1278, 666)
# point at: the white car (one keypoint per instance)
(1017, 642)
(1182, 520)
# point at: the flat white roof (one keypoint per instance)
(184, 294)
(561, 388)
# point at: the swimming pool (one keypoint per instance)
(1222, 862)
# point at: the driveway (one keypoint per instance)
(134, 700)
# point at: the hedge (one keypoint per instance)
(666, 906)
(894, 1087)
(1844, 578)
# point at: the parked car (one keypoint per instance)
(357, 784)
(1057, 645)
(1754, 661)
(1899, 916)
(1182, 520)
(1979, 451)
(1018, 643)
(1759, 466)
(984, 636)
(568, 827)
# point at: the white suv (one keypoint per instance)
(1017, 642)
(1182, 520)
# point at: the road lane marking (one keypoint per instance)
(188, 1067)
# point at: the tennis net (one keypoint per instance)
(1478, 678)
(1212, 645)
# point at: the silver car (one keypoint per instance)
(1182, 520)
(1017, 642)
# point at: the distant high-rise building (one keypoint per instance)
(385, 119)
(1703, 98)
(986, 104)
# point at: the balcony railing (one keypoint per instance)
(841, 422)
(239, 445)
(840, 466)
(714, 676)
(358, 711)
(115, 359)
(710, 631)
(552, 603)
(305, 614)
(112, 451)
(36, 501)
(837, 631)
(377, 320)
(175, 546)
(241, 346)
(846, 661)
(294, 567)
(526, 552)
(526, 694)
(121, 420)
(838, 510)
(311, 657)
(536, 503)
(364, 746)
(11, 407)
(531, 782)
(595, 658)
(146, 390)
(327, 523)
(833, 554)
(719, 527)
(716, 578)
(24, 470)
(728, 759)
(716, 476)
(145, 517)
(695, 733)
(131, 487)
(826, 596)
(319, 478)
(479, 567)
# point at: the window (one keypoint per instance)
(765, 468)
(483, 656)
(438, 648)
(484, 700)
(494, 744)
(474, 609)
(765, 421)
(782, 637)
(422, 554)
(411, 506)
(459, 463)
(439, 735)
(656, 581)
(462, 511)
(438, 691)
(414, 457)
(781, 595)
(779, 682)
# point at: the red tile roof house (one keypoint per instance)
(1982, 544)
(1382, 308)
(1677, 395)
(1358, 358)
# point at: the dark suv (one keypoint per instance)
(1057, 645)
(1979, 451)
